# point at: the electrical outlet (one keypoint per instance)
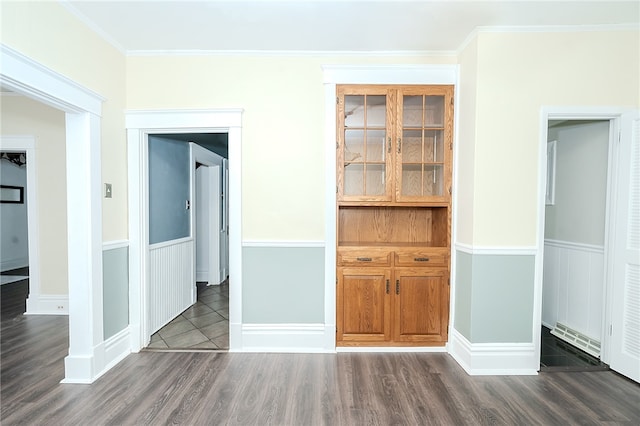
(107, 190)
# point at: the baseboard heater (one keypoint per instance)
(577, 339)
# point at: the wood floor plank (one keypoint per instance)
(200, 388)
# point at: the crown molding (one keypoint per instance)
(92, 26)
(297, 53)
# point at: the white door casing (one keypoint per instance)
(139, 124)
(624, 356)
(618, 186)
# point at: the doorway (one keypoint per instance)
(574, 244)
(140, 125)
(205, 323)
(618, 300)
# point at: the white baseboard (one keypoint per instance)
(287, 338)
(48, 304)
(10, 264)
(499, 359)
(105, 356)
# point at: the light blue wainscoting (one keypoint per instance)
(115, 289)
(494, 297)
(283, 285)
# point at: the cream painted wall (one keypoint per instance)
(49, 34)
(22, 116)
(518, 73)
(465, 148)
(283, 127)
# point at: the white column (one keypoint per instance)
(84, 222)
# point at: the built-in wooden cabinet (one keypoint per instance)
(394, 154)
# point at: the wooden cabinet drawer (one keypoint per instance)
(363, 257)
(422, 257)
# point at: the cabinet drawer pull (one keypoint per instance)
(421, 259)
(364, 259)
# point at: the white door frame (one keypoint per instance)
(27, 144)
(614, 116)
(139, 125)
(87, 357)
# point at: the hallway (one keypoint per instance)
(205, 325)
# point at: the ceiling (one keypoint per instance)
(144, 26)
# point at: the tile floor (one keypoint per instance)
(556, 354)
(205, 325)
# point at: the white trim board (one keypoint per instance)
(497, 251)
(286, 338)
(116, 244)
(47, 304)
(283, 244)
(481, 359)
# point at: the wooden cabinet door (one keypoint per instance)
(423, 145)
(365, 156)
(421, 306)
(363, 305)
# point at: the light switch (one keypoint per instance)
(107, 190)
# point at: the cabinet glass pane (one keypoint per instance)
(411, 146)
(374, 179)
(412, 111)
(412, 179)
(433, 183)
(434, 111)
(353, 179)
(354, 111)
(375, 146)
(433, 146)
(376, 110)
(353, 145)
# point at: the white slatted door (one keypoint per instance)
(625, 330)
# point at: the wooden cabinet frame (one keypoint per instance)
(393, 248)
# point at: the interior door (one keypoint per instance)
(208, 224)
(625, 319)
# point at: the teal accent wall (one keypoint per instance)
(115, 290)
(283, 285)
(494, 298)
(169, 189)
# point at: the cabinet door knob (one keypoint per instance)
(421, 259)
(364, 259)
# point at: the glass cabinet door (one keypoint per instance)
(421, 147)
(364, 149)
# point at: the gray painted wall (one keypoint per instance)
(283, 285)
(168, 189)
(14, 244)
(581, 183)
(494, 298)
(115, 290)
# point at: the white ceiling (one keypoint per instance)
(327, 25)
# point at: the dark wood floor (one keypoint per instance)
(290, 389)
